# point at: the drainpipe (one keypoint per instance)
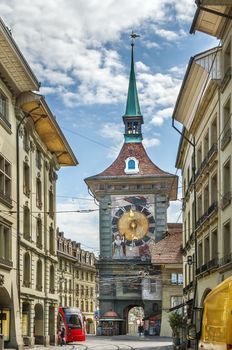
(193, 144)
(26, 115)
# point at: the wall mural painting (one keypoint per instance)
(133, 226)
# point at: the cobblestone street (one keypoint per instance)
(123, 342)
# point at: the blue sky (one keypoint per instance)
(80, 51)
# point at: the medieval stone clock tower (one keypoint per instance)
(133, 195)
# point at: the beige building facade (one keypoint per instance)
(32, 149)
(204, 157)
(77, 278)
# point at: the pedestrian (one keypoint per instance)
(59, 336)
(140, 330)
(62, 336)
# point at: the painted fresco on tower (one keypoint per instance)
(133, 226)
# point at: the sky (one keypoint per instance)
(80, 52)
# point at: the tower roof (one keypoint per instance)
(132, 105)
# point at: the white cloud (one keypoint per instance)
(170, 35)
(141, 67)
(148, 143)
(65, 42)
(161, 115)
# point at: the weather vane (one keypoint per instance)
(133, 36)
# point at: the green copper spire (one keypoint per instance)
(132, 105)
(133, 118)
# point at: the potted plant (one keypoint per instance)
(176, 322)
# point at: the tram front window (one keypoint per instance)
(73, 321)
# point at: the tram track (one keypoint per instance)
(102, 347)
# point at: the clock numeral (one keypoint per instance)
(151, 220)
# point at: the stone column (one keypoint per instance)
(46, 323)
(32, 324)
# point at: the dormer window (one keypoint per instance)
(132, 166)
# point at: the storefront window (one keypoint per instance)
(5, 323)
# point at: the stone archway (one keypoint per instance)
(135, 316)
(39, 324)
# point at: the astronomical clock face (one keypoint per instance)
(132, 227)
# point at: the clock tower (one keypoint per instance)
(133, 195)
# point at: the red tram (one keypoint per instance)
(72, 320)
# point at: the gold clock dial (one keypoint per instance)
(133, 224)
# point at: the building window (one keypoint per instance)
(39, 233)
(133, 128)
(26, 223)
(199, 207)
(199, 157)
(3, 107)
(175, 301)
(226, 240)
(176, 278)
(206, 198)
(82, 305)
(87, 306)
(27, 270)
(52, 280)
(51, 240)
(91, 306)
(26, 179)
(214, 244)
(5, 243)
(82, 291)
(214, 189)
(38, 159)
(26, 141)
(226, 184)
(227, 58)
(39, 276)
(38, 193)
(5, 180)
(206, 144)
(214, 132)
(153, 286)
(206, 250)
(200, 255)
(226, 127)
(132, 165)
(51, 203)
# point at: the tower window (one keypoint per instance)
(133, 127)
(131, 164)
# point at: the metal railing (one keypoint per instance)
(212, 209)
(226, 79)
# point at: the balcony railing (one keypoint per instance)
(211, 264)
(225, 138)
(212, 209)
(6, 262)
(5, 199)
(212, 151)
(226, 259)
(39, 287)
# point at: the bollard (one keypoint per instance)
(1, 342)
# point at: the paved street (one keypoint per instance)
(124, 342)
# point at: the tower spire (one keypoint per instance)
(132, 117)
